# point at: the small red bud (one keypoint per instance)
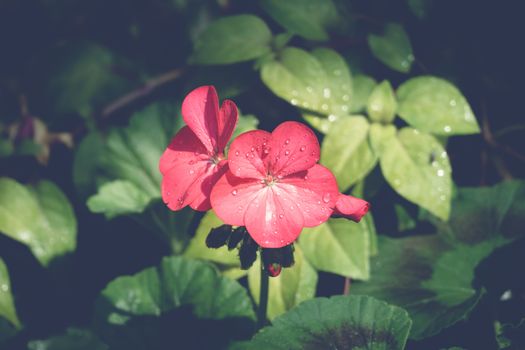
(274, 269)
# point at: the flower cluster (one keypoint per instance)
(270, 183)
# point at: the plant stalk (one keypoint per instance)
(263, 299)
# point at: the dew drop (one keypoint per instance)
(192, 171)
(440, 172)
(237, 153)
(287, 141)
(447, 129)
(287, 152)
(234, 192)
(253, 149)
(326, 197)
(302, 149)
(281, 216)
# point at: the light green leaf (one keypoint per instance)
(416, 165)
(393, 48)
(7, 304)
(118, 197)
(227, 260)
(340, 322)
(319, 82)
(346, 151)
(382, 103)
(338, 246)
(39, 216)
(432, 276)
(310, 19)
(434, 105)
(363, 85)
(232, 39)
(140, 311)
(73, 339)
(294, 285)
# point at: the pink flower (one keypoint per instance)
(275, 187)
(194, 160)
(350, 207)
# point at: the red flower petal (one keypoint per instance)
(200, 111)
(351, 207)
(247, 154)
(293, 148)
(226, 122)
(188, 175)
(314, 191)
(231, 197)
(273, 220)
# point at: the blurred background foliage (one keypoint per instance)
(417, 105)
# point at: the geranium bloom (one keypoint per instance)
(275, 187)
(194, 160)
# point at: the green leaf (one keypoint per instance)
(227, 260)
(340, 322)
(434, 105)
(131, 154)
(310, 19)
(346, 151)
(39, 216)
(85, 163)
(432, 276)
(293, 286)
(416, 165)
(232, 39)
(338, 246)
(420, 8)
(362, 87)
(393, 48)
(73, 339)
(382, 103)
(85, 79)
(319, 82)
(7, 304)
(511, 336)
(404, 220)
(151, 308)
(118, 197)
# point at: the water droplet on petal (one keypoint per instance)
(192, 171)
(302, 149)
(237, 153)
(281, 216)
(287, 141)
(234, 192)
(326, 197)
(287, 152)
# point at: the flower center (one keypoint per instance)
(216, 158)
(269, 180)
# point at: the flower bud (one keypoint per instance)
(274, 269)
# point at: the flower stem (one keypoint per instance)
(263, 299)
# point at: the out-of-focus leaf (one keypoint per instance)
(39, 216)
(382, 104)
(232, 39)
(146, 310)
(73, 339)
(118, 197)
(404, 220)
(416, 165)
(393, 48)
(7, 304)
(85, 78)
(434, 105)
(511, 336)
(318, 82)
(227, 260)
(346, 151)
(85, 163)
(6, 148)
(340, 322)
(338, 246)
(420, 8)
(310, 19)
(293, 286)
(432, 276)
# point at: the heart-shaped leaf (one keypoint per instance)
(39, 216)
(434, 105)
(393, 48)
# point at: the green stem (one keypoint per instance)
(263, 299)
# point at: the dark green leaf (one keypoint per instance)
(73, 339)
(432, 276)
(39, 216)
(346, 151)
(294, 285)
(434, 105)
(150, 309)
(341, 322)
(393, 48)
(420, 8)
(416, 165)
(232, 39)
(7, 304)
(309, 19)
